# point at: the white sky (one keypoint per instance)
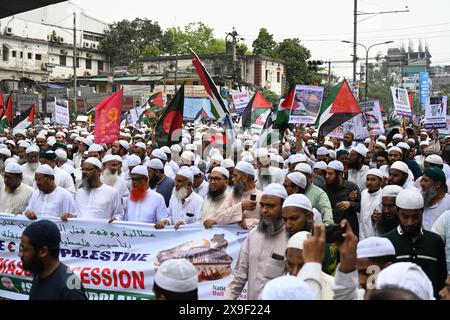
(320, 24)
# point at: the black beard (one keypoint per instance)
(238, 190)
(22, 161)
(270, 226)
(35, 266)
(334, 185)
(385, 225)
(153, 181)
(353, 165)
(428, 196)
(89, 183)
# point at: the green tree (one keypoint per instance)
(264, 44)
(270, 96)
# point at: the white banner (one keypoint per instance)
(135, 113)
(241, 100)
(436, 113)
(372, 112)
(401, 101)
(261, 120)
(118, 261)
(62, 111)
(307, 101)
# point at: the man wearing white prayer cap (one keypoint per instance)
(161, 155)
(144, 204)
(414, 244)
(322, 154)
(344, 195)
(111, 177)
(218, 182)
(387, 219)
(187, 158)
(15, 195)
(287, 288)
(241, 205)
(357, 170)
(296, 159)
(96, 151)
(97, 200)
(370, 202)
(297, 214)
(158, 181)
(399, 175)
(185, 206)
(229, 165)
(32, 157)
(49, 200)
(200, 185)
(170, 162)
(405, 278)
(397, 138)
(140, 149)
(295, 182)
(62, 178)
(347, 142)
(263, 249)
(265, 173)
(406, 158)
(176, 279)
(320, 168)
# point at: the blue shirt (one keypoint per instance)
(164, 188)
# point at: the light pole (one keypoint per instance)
(367, 61)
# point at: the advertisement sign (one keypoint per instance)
(424, 88)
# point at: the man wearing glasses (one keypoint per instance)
(218, 181)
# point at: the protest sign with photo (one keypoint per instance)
(436, 113)
(401, 101)
(306, 104)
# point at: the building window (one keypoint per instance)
(14, 53)
(88, 64)
(62, 60)
(5, 53)
(30, 55)
(38, 57)
(278, 77)
(217, 70)
(21, 54)
(78, 62)
(100, 66)
(267, 75)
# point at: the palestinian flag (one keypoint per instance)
(7, 118)
(218, 108)
(153, 108)
(25, 119)
(201, 116)
(339, 107)
(256, 106)
(170, 121)
(269, 132)
(284, 109)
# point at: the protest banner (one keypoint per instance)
(62, 111)
(306, 106)
(261, 120)
(107, 119)
(240, 100)
(436, 113)
(401, 101)
(118, 261)
(372, 113)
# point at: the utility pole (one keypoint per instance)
(329, 72)
(234, 35)
(74, 61)
(355, 39)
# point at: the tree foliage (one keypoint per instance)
(264, 44)
(270, 96)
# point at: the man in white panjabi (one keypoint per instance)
(110, 176)
(15, 195)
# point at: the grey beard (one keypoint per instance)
(270, 226)
(428, 196)
(180, 194)
(238, 190)
(109, 178)
(22, 161)
(264, 179)
(33, 166)
(2, 166)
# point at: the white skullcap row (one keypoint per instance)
(304, 168)
(61, 154)
(391, 191)
(434, 159)
(140, 145)
(374, 247)
(141, 170)
(217, 158)
(186, 173)
(299, 201)
(409, 199)
(195, 170)
(176, 148)
(166, 150)
(108, 157)
(177, 275)
(133, 160)
(188, 155)
(158, 153)
(94, 162)
(395, 149)
(124, 144)
(222, 170)
(275, 189)
(375, 172)
(322, 165)
(155, 164)
(95, 148)
(297, 158)
(403, 145)
(296, 241)
(245, 167)
(32, 148)
(13, 168)
(322, 151)
(298, 179)
(227, 163)
(336, 165)
(45, 169)
(361, 150)
(401, 166)
(397, 136)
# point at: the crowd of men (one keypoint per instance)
(390, 200)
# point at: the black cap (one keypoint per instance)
(43, 233)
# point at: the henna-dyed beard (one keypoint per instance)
(138, 193)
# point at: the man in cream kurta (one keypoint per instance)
(14, 195)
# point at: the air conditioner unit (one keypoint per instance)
(63, 52)
(86, 74)
(89, 55)
(86, 44)
(61, 40)
(8, 30)
(94, 46)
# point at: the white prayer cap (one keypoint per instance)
(315, 135)
(155, 164)
(108, 157)
(411, 140)
(361, 150)
(186, 173)
(95, 148)
(5, 152)
(261, 152)
(158, 153)
(124, 144)
(395, 149)
(222, 170)
(22, 132)
(336, 165)
(409, 199)
(298, 200)
(322, 165)
(213, 151)
(140, 170)
(390, 145)
(10, 160)
(397, 136)
(191, 147)
(382, 138)
(279, 159)
(94, 161)
(118, 158)
(310, 141)
(287, 288)
(434, 159)
(73, 136)
(45, 169)
(23, 144)
(273, 151)
(374, 247)
(60, 134)
(298, 179)
(407, 276)
(248, 159)
(332, 154)
(403, 145)
(424, 144)
(31, 149)
(245, 167)
(381, 144)
(133, 160)
(367, 140)
(195, 170)
(391, 191)
(400, 165)
(329, 144)
(166, 149)
(375, 172)
(13, 168)
(61, 154)
(188, 155)
(298, 157)
(275, 189)
(227, 163)
(69, 146)
(140, 145)
(248, 143)
(79, 139)
(322, 151)
(304, 168)
(216, 157)
(10, 142)
(177, 275)
(176, 148)
(88, 141)
(296, 241)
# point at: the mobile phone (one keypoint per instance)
(190, 215)
(334, 233)
(253, 197)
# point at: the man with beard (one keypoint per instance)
(295, 182)
(347, 142)
(344, 196)
(175, 167)
(120, 148)
(357, 170)
(414, 244)
(185, 206)
(200, 186)
(97, 200)
(229, 165)
(406, 158)
(242, 204)
(41, 142)
(15, 195)
(323, 154)
(387, 219)
(4, 155)
(396, 139)
(95, 151)
(39, 254)
(261, 257)
(218, 180)
(159, 154)
(111, 177)
(21, 152)
(265, 173)
(32, 157)
(158, 182)
(381, 159)
(145, 205)
(49, 200)
(370, 201)
(62, 178)
(399, 175)
(394, 155)
(435, 196)
(297, 214)
(140, 150)
(432, 161)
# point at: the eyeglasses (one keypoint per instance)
(215, 179)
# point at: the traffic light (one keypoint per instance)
(314, 65)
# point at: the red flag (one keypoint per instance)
(9, 109)
(410, 96)
(107, 119)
